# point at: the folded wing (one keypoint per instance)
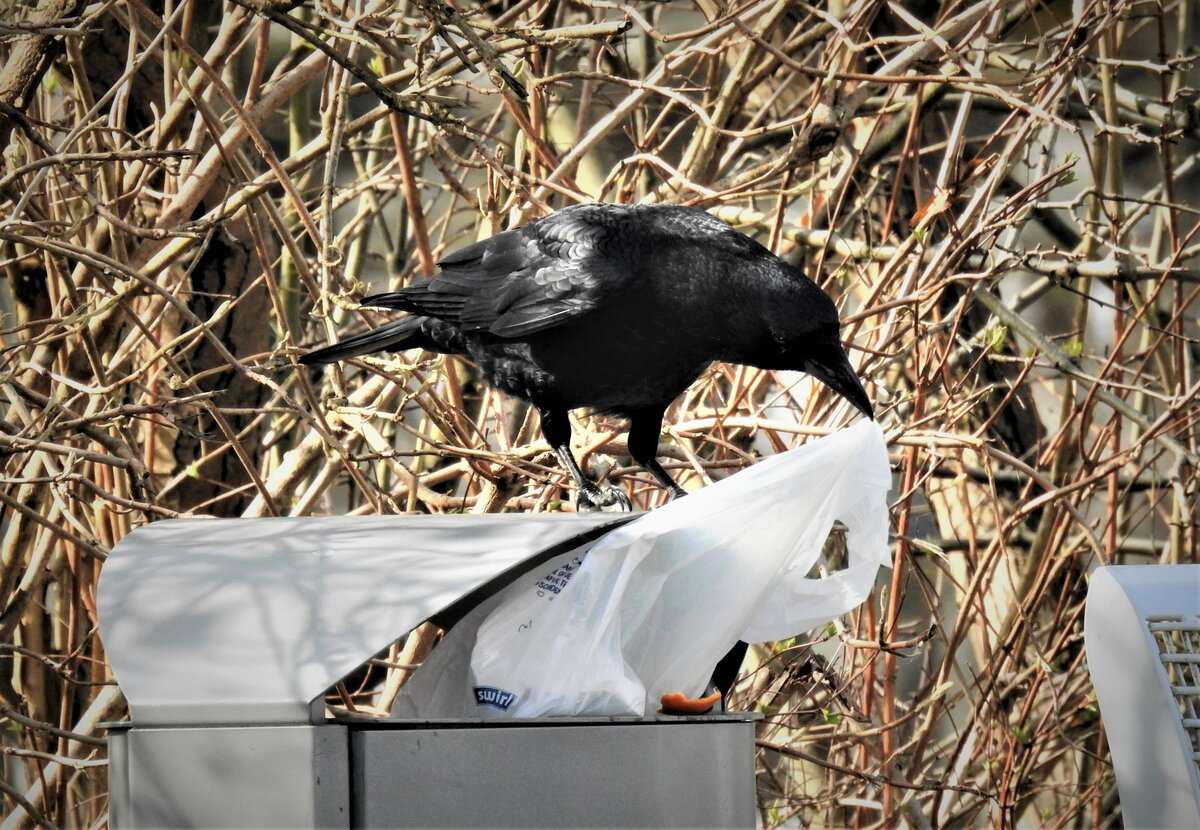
(522, 281)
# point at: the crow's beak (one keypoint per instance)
(836, 372)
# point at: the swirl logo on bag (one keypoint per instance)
(496, 698)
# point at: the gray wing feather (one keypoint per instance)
(522, 281)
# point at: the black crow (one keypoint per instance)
(616, 308)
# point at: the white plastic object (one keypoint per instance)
(1142, 636)
(652, 606)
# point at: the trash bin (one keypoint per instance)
(226, 634)
(1141, 632)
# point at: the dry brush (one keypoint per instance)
(1000, 196)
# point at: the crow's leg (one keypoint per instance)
(556, 426)
(728, 667)
(644, 430)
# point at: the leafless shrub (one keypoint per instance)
(1001, 195)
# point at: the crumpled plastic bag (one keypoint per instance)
(651, 607)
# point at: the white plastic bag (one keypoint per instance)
(442, 687)
(658, 601)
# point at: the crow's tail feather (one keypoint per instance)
(396, 336)
(388, 299)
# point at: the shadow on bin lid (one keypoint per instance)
(218, 621)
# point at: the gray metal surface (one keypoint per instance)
(263, 776)
(118, 776)
(1138, 622)
(696, 773)
(212, 621)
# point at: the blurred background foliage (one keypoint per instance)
(1001, 196)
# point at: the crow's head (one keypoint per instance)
(826, 361)
(805, 331)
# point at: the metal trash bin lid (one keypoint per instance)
(249, 621)
(1141, 627)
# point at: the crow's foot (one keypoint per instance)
(609, 499)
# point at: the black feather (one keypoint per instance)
(396, 336)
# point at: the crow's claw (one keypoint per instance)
(608, 499)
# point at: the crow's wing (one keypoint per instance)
(529, 279)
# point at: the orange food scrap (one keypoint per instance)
(674, 703)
